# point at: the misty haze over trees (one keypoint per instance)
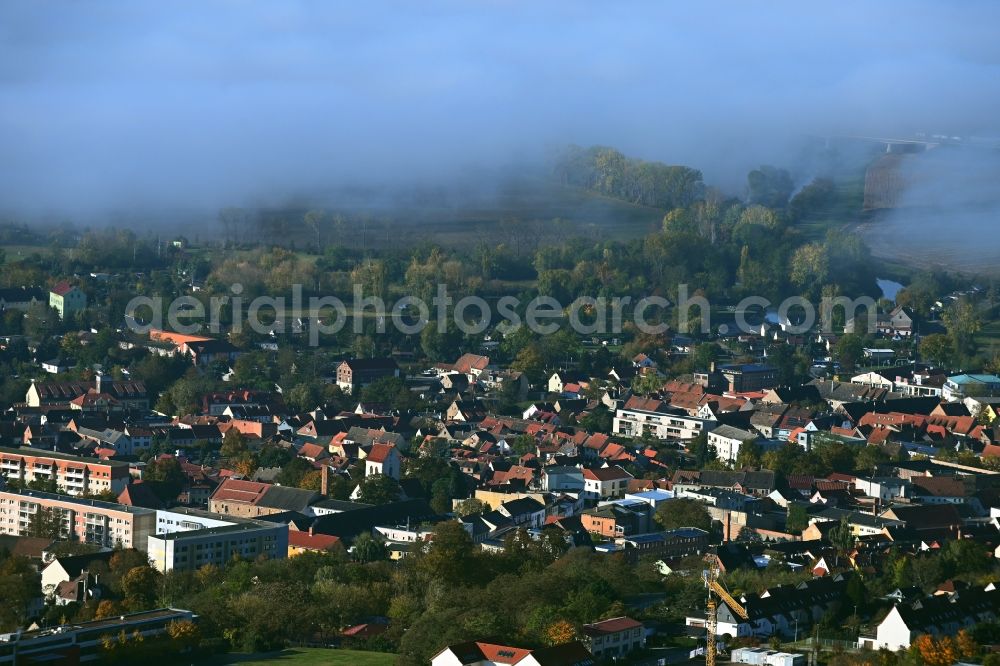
(414, 480)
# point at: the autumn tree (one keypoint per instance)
(560, 632)
(810, 266)
(966, 645)
(166, 477)
(184, 633)
(139, 587)
(106, 608)
(936, 651)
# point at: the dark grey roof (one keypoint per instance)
(288, 499)
(341, 505)
(370, 364)
(946, 612)
(75, 564)
(523, 505)
(349, 524)
(762, 479)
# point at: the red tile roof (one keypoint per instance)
(62, 288)
(502, 654)
(314, 451)
(238, 490)
(307, 541)
(468, 362)
(380, 453)
(612, 626)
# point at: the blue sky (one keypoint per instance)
(213, 103)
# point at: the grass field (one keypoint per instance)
(988, 339)
(18, 252)
(316, 657)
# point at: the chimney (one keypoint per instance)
(99, 382)
(324, 484)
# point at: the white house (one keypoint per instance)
(383, 459)
(605, 482)
(941, 615)
(727, 440)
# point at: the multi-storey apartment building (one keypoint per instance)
(75, 475)
(654, 418)
(194, 548)
(89, 521)
(182, 539)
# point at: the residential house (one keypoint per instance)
(67, 300)
(960, 387)
(383, 459)
(605, 482)
(20, 298)
(207, 352)
(941, 615)
(479, 653)
(727, 440)
(66, 644)
(88, 521)
(524, 512)
(759, 483)
(614, 638)
(616, 519)
(785, 610)
(471, 365)
(897, 323)
(129, 394)
(738, 377)
(356, 373)
(561, 478)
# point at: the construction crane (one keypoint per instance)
(715, 589)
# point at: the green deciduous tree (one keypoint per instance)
(378, 489)
(683, 513)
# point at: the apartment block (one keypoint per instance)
(90, 521)
(246, 539)
(633, 422)
(75, 475)
(180, 539)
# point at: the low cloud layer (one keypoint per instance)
(124, 105)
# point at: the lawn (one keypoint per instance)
(315, 657)
(18, 252)
(988, 338)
